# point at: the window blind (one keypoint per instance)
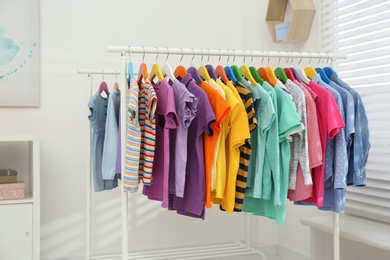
(361, 29)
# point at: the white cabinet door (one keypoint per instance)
(16, 232)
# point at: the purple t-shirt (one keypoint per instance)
(193, 202)
(166, 119)
(186, 104)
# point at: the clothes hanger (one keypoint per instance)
(245, 72)
(264, 73)
(203, 71)
(254, 73)
(130, 66)
(279, 72)
(103, 86)
(167, 69)
(289, 74)
(288, 71)
(310, 71)
(294, 71)
(230, 73)
(271, 73)
(301, 73)
(220, 72)
(236, 70)
(180, 70)
(328, 70)
(156, 70)
(116, 85)
(143, 70)
(210, 69)
(194, 72)
(322, 73)
(195, 75)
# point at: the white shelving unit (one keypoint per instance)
(20, 219)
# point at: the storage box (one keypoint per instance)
(8, 176)
(8, 179)
(12, 191)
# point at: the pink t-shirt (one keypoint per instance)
(303, 191)
(329, 124)
(166, 119)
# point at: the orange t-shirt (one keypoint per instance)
(221, 110)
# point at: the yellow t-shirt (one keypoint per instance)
(239, 132)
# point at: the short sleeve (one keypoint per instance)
(171, 121)
(239, 130)
(334, 119)
(190, 104)
(91, 107)
(222, 109)
(208, 116)
(289, 120)
(267, 115)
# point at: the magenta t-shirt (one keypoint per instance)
(193, 202)
(166, 119)
(329, 124)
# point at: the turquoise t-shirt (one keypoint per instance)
(271, 169)
(265, 114)
(288, 122)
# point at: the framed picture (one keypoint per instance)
(19, 53)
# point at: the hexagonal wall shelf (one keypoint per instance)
(303, 12)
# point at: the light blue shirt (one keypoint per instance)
(361, 139)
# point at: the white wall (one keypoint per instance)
(74, 35)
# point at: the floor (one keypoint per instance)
(249, 257)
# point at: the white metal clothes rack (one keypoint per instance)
(199, 252)
(90, 73)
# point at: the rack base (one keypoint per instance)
(234, 248)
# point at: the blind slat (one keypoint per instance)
(361, 29)
(354, 30)
(360, 15)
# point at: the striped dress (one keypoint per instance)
(133, 139)
(147, 101)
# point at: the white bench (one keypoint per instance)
(359, 238)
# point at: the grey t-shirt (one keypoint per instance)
(299, 146)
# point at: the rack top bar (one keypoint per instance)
(99, 72)
(224, 52)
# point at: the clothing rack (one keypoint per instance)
(200, 252)
(90, 74)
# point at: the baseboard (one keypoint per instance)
(266, 249)
(291, 254)
(64, 258)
